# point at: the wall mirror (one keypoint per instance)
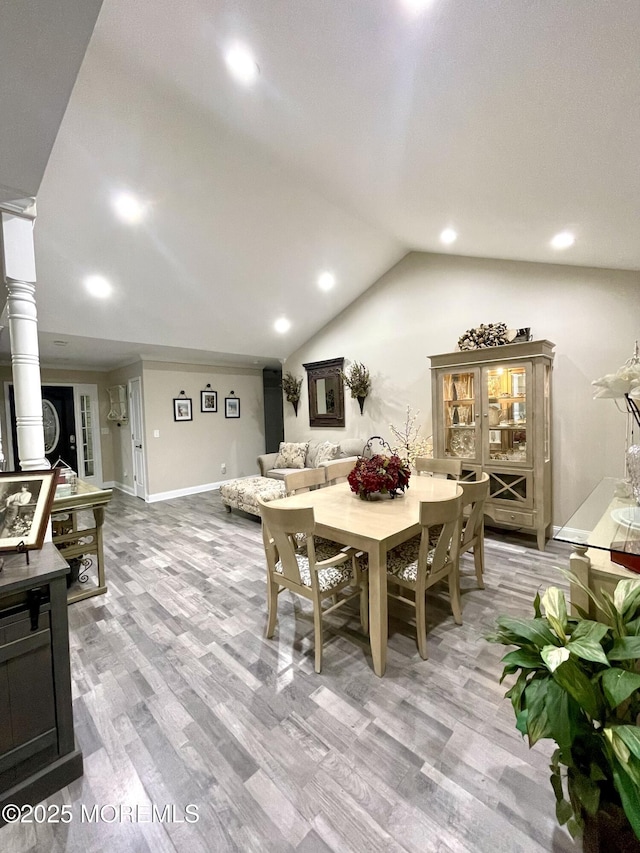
(326, 392)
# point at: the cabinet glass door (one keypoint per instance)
(460, 410)
(506, 391)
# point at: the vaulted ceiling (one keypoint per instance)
(371, 127)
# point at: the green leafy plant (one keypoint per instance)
(357, 380)
(578, 682)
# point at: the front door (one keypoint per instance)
(59, 425)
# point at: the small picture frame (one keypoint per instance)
(26, 498)
(182, 410)
(232, 407)
(208, 401)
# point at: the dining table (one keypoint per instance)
(372, 526)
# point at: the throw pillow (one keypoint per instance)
(291, 455)
(325, 453)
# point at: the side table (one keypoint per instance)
(78, 541)
(605, 534)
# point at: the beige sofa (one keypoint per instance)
(347, 448)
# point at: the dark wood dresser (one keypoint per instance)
(37, 748)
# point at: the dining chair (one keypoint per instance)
(418, 564)
(449, 468)
(301, 572)
(303, 480)
(338, 470)
(298, 482)
(472, 539)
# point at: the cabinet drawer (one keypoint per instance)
(509, 516)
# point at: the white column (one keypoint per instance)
(19, 265)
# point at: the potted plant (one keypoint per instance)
(291, 386)
(578, 683)
(358, 381)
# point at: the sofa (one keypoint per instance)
(314, 453)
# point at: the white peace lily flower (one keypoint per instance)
(615, 385)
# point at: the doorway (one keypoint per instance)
(137, 438)
(71, 429)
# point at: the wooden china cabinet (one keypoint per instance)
(492, 409)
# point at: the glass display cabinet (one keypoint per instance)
(492, 409)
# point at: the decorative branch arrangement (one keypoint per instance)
(358, 381)
(410, 443)
(291, 386)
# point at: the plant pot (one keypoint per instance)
(609, 831)
(361, 402)
(294, 403)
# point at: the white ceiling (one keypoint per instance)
(369, 130)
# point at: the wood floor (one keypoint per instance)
(179, 699)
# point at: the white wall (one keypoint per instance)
(188, 454)
(423, 305)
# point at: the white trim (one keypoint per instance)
(89, 390)
(121, 487)
(190, 490)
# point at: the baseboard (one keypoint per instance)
(128, 490)
(180, 493)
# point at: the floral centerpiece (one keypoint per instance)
(379, 474)
(624, 385)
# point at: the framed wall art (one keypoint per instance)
(232, 407)
(208, 400)
(182, 409)
(26, 498)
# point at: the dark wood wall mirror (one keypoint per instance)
(326, 392)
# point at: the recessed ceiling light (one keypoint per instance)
(563, 240)
(282, 325)
(241, 64)
(326, 280)
(128, 208)
(98, 286)
(448, 236)
(416, 6)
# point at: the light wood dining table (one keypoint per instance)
(373, 527)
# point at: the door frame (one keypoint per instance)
(139, 492)
(79, 388)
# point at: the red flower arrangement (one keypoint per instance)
(386, 474)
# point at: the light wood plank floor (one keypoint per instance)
(179, 699)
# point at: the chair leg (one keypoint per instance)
(364, 603)
(421, 624)
(272, 604)
(317, 631)
(454, 594)
(478, 559)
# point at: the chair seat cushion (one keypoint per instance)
(328, 578)
(402, 561)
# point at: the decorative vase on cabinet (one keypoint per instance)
(501, 424)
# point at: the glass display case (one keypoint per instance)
(491, 408)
